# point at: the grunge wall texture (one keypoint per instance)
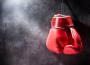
(24, 26)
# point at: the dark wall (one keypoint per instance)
(24, 26)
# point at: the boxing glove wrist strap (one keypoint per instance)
(71, 25)
(58, 27)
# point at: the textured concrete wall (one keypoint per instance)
(24, 26)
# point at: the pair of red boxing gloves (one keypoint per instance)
(60, 40)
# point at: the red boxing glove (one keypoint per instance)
(74, 41)
(57, 37)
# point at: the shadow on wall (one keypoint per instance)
(80, 10)
(2, 54)
(81, 6)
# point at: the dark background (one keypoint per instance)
(24, 26)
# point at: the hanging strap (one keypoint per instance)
(62, 6)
